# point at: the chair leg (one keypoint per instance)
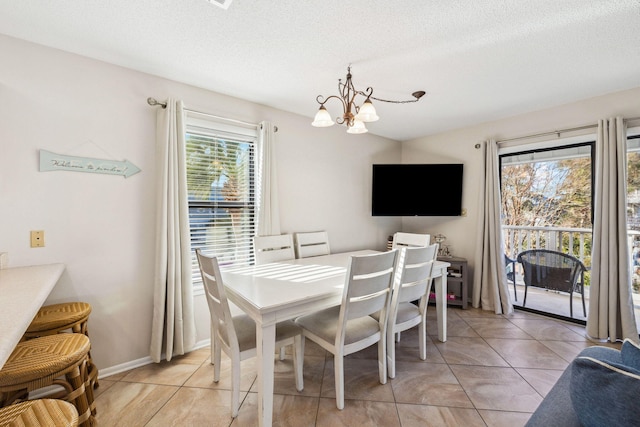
(216, 358)
(524, 302)
(571, 304)
(584, 308)
(298, 361)
(422, 331)
(212, 347)
(235, 385)
(515, 292)
(338, 367)
(80, 398)
(391, 354)
(382, 359)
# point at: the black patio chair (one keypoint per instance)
(511, 272)
(555, 271)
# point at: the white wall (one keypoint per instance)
(102, 227)
(458, 147)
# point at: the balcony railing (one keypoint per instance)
(573, 241)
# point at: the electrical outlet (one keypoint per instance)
(37, 238)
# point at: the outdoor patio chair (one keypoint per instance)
(554, 271)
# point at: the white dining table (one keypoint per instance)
(23, 290)
(273, 292)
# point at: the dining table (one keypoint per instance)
(23, 290)
(277, 291)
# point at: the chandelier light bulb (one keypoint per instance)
(367, 112)
(323, 118)
(357, 127)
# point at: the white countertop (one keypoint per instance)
(23, 290)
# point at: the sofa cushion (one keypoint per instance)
(603, 390)
(630, 354)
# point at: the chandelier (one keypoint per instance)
(353, 116)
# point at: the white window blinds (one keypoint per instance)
(220, 162)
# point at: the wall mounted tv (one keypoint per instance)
(417, 190)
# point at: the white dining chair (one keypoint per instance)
(236, 335)
(348, 328)
(274, 248)
(310, 244)
(414, 284)
(403, 240)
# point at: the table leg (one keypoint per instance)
(440, 284)
(266, 346)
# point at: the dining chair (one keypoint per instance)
(310, 244)
(271, 249)
(236, 335)
(413, 284)
(274, 248)
(349, 327)
(410, 240)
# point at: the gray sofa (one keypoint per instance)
(601, 387)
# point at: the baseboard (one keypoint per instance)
(127, 366)
(113, 370)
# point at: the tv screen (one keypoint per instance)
(417, 190)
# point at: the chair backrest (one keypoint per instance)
(221, 318)
(312, 244)
(410, 240)
(549, 269)
(367, 288)
(273, 248)
(510, 267)
(415, 274)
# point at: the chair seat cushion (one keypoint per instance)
(246, 331)
(324, 324)
(407, 311)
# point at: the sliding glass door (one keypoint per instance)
(547, 204)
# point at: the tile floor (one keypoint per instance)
(492, 371)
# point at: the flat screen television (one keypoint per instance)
(417, 190)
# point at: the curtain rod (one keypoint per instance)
(558, 132)
(153, 102)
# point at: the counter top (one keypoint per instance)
(23, 290)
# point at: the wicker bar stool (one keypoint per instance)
(51, 360)
(39, 413)
(57, 318)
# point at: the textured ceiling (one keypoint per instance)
(478, 60)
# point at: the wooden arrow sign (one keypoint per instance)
(58, 162)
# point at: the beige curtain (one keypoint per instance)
(173, 329)
(490, 291)
(268, 206)
(611, 314)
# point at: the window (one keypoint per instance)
(221, 175)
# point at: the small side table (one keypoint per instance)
(457, 281)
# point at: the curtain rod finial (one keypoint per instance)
(153, 102)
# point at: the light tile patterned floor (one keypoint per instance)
(492, 371)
